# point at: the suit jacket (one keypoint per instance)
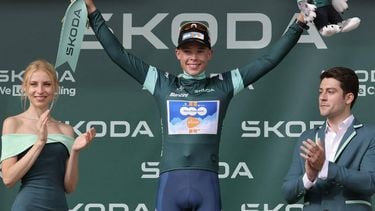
(351, 176)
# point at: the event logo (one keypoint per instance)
(10, 81)
(280, 129)
(366, 82)
(151, 170)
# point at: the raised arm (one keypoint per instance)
(134, 66)
(255, 70)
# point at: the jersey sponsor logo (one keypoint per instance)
(180, 95)
(192, 117)
(204, 91)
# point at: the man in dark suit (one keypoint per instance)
(333, 166)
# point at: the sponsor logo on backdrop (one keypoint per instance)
(144, 207)
(366, 82)
(10, 82)
(158, 40)
(110, 207)
(113, 129)
(280, 129)
(268, 207)
(150, 170)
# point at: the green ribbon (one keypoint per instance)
(72, 31)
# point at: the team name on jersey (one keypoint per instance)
(182, 95)
(204, 90)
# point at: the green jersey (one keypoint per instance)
(192, 109)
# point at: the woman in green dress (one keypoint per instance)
(38, 150)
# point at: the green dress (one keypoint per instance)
(42, 187)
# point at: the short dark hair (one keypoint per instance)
(348, 80)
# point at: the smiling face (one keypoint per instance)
(193, 57)
(39, 89)
(333, 103)
(40, 84)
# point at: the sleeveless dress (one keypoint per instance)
(42, 187)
